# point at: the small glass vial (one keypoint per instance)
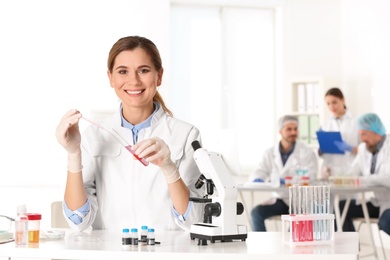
(126, 240)
(134, 237)
(151, 238)
(144, 234)
(21, 226)
(305, 181)
(34, 222)
(288, 181)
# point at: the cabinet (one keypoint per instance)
(307, 105)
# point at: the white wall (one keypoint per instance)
(346, 43)
(312, 46)
(366, 55)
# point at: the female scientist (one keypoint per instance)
(107, 188)
(344, 122)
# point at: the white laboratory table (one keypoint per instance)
(178, 245)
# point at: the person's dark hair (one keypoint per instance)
(131, 43)
(336, 92)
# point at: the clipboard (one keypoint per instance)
(326, 141)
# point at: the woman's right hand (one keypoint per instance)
(68, 133)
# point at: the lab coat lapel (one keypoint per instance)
(278, 160)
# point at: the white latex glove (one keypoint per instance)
(68, 135)
(156, 151)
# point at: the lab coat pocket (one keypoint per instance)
(99, 148)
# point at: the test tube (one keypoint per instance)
(320, 211)
(326, 197)
(290, 196)
(315, 211)
(291, 209)
(301, 225)
(295, 224)
(308, 211)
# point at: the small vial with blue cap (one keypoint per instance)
(144, 234)
(151, 237)
(126, 240)
(134, 237)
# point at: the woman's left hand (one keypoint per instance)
(156, 151)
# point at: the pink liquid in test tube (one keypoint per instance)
(142, 160)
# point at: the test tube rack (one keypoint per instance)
(308, 229)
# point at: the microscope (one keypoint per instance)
(220, 211)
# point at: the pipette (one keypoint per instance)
(120, 139)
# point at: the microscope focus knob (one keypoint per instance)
(212, 209)
(196, 145)
(240, 208)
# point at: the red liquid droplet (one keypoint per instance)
(142, 160)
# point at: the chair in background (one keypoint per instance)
(57, 217)
(375, 221)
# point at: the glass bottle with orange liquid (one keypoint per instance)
(288, 181)
(34, 221)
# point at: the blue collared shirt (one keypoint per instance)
(284, 155)
(136, 128)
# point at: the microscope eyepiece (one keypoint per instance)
(199, 183)
(196, 145)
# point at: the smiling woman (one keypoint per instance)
(103, 178)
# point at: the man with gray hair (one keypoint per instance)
(286, 158)
(372, 164)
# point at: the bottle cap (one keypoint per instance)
(151, 230)
(21, 209)
(125, 230)
(34, 216)
(134, 230)
(144, 227)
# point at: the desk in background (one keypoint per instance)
(178, 246)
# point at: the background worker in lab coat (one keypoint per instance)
(343, 121)
(106, 187)
(285, 158)
(372, 163)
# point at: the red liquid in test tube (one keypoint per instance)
(307, 210)
(142, 160)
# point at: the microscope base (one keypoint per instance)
(214, 233)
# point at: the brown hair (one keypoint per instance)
(131, 43)
(336, 92)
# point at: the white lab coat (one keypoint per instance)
(302, 156)
(122, 192)
(347, 126)
(361, 167)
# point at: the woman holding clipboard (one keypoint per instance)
(344, 122)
